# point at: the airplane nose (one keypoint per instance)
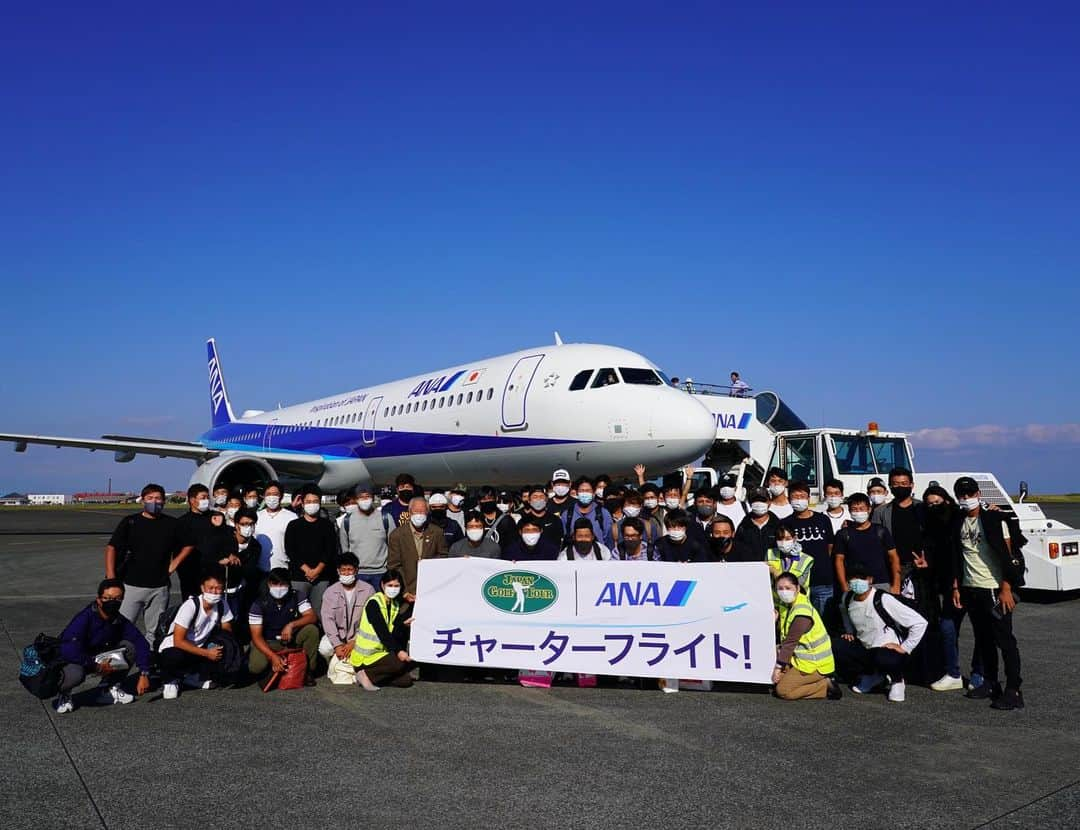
(683, 422)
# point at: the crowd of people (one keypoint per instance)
(867, 590)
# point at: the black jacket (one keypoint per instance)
(751, 542)
(992, 523)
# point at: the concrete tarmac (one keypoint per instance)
(462, 755)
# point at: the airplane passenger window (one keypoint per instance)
(459, 399)
(640, 377)
(605, 377)
(469, 399)
(581, 380)
(441, 402)
(490, 393)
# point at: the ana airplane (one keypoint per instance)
(506, 420)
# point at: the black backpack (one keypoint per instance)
(887, 618)
(42, 667)
(165, 621)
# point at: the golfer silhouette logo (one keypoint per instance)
(519, 597)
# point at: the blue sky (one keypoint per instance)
(874, 212)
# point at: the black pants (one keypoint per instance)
(175, 663)
(992, 635)
(854, 659)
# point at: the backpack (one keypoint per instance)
(1014, 567)
(161, 631)
(886, 617)
(42, 667)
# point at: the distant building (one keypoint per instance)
(102, 498)
(13, 500)
(42, 498)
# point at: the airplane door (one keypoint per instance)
(268, 435)
(517, 390)
(370, 415)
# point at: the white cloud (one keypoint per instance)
(994, 435)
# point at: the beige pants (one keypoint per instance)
(794, 685)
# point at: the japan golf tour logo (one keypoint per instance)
(519, 592)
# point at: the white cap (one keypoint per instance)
(560, 475)
(436, 498)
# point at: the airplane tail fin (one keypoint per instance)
(221, 412)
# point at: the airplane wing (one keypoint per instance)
(125, 448)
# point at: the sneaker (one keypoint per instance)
(896, 692)
(948, 683)
(1009, 700)
(987, 691)
(834, 692)
(976, 680)
(206, 685)
(867, 684)
(114, 694)
(170, 691)
(63, 704)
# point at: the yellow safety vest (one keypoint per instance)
(813, 653)
(799, 568)
(367, 648)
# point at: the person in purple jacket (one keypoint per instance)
(97, 629)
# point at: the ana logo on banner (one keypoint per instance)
(519, 592)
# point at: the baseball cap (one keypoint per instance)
(877, 482)
(437, 499)
(560, 475)
(966, 486)
(729, 481)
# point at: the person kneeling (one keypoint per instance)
(87, 641)
(804, 659)
(190, 654)
(379, 654)
(278, 619)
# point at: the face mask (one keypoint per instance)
(538, 505)
(727, 493)
(230, 512)
(351, 508)
(676, 535)
(487, 507)
(859, 516)
(632, 544)
(650, 504)
(221, 501)
(901, 493)
(799, 505)
(633, 511)
(705, 510)
(969, 504)
(759, 508)
(405, 495)
(312, 508)
(671, 504)
(859, 586)
(251, 503)
(153, 507)
(583, 547)
(720, 544)
(111, 607)
(877, 498)
(211, 599)
(272, 502)
(599, 492)
(584, 499)
(785, 545)
(475, 534)
(202, 505)
(364, 505)
(279, 591)
(346, 579)
(418, 519)
(787, 596)
(392, 591)
(561, 490)
(834, 501)
(438, 515)
(503, 507)
(776, 490)
(457, 500)
(530, 539)
(247, 530)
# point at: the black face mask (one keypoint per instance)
(720, 545)
(404, 495)
(111, 607)
(487, 507)
(901, 493)
(583, 547)
(438, 517)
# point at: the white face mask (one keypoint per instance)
(221, 501)
(311, 508)
(247, 530)
(230, 512)
(346, 579)
(859, 516)
(352, 508)
(279, 591)
(561, 490)
(633, 511)
(251, 503)
(457, 500)
(599, 492)
(364, 504)
(785, 545)
(650, 504)
(969, 504)
(727, 493)
(671, 504)
(272, 502)
(418, 519)
(877, 498)
(759, 508)
(530, 539)
(799, 505)
(392, 591)
(502, 507)
(202, 505)
(475, 534)
(834, 501)
(211, 599)
(676, 535)
(787, 596)
(777, 490)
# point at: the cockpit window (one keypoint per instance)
(605, 377)
(581, 380)
(640, 377)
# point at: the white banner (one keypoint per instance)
(655, 619)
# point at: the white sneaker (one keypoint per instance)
(114, 694)
(867, 683)
(896, 693)
(948, 683)
(63, 704)
(208, 684)
(170, 691)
